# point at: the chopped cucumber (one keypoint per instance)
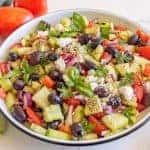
(93, 105)
(115, 121)
(58, 134)
(2, 124)
(6, 84)
(78, 114)
(38, 129)
(90, 136)
(10, 100)
(52, 113)
(41, 97)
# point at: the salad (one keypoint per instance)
(79, 79)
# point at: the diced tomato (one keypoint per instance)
(2, 93)
(33, 117)
(144, 51)
(143, 36)
(147, 70)
(93, 120)
(72, 101)
(140, 107)
(4, 67)
(65, 128)
(47, 81)
(106, 57)
(99, 115)
(120, 27)
(137, 80)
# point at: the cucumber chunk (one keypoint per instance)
(52, 113)
(115, 121)
(58, 134)
(38, 129)
(41, 97)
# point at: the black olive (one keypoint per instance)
(133, 40)
(54, 98)
(112, 50)
(53, 56)
(146, 100)
(56, 75)
(84, 39)
(13, 56)
(114, 101)
(54, 125)
(94, 43)
(19, 113)
(19, 84)
(101, 91)
(35, 58)
(34, 76)
(90, 65)
(77, 129)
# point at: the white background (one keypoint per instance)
(140, 140)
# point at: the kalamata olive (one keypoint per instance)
(114, 101)
(53, 56)
(101, 91)
(77, 129)
(112, 51)
(56, 75)
(90, 65)
(35, 58)
(146, 100)
(94, 43)
(54, 98)
(84, 39)
(34, 76)
(54, 124)
(133, 39)
(13, 56)
(19, 113)
(19, 84)
(59, 84)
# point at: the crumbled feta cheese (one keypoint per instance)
(93, 85)
(127, 92)
(60, 64)
(62, 42)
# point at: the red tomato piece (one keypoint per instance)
(147, 70)
(4, 67)
(72, 101)
(47, 81)
(144, 51)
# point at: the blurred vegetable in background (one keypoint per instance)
(2, 124)
(5, 2)
(38, 8)
(11, 18)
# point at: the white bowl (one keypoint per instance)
(53, 18)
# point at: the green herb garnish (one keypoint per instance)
(43, 26)
(87, 126)
(101, 71)
(66, 92)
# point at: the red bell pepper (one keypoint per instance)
(4, 67)
(2, 93)
(147, 70)
(33, 117)
(72, 101)
(140, 107)
(143, 36)
(106, 57)
(47, 81)
(138, 88)
(144, 51)
(98, 127)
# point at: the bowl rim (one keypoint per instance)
(76, 143)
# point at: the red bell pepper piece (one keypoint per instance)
(140, 107)
(47, 81)
(4, 67)
(2, 93)
(144, 51)
(147, 70)
(98, 127)
(138, 88)
(143, 36)
(72, 101)
(33, 117)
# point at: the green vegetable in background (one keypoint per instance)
(101, 71)
(87, 126)
(66, 92)
(69, 34)
(128, 79)
(43, 26)
(105, 29)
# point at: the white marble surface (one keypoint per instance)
(135, 9)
